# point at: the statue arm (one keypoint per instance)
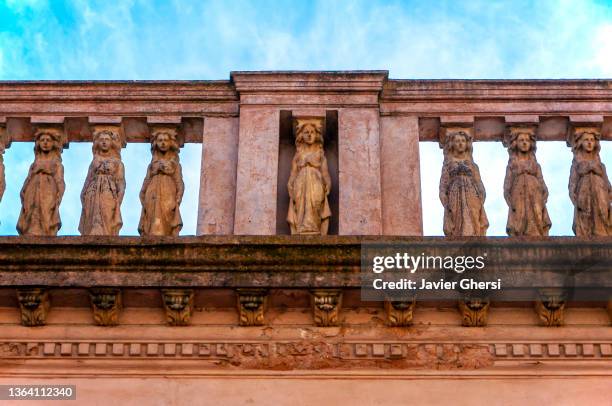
(145, 185)
(508, 184)
(444, 180)
(87, 182)
(26, 183)
(59, 180)
(542, 183)
(292, 176)
(180, 185)
(120, 179)
(326, 176)
(607, 181)
(573, 183)
(479, 184)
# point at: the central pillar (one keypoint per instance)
(359, 171)
(257, 171)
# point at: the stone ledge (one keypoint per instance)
(275, 261)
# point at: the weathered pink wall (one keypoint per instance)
(359, 171)
(257, 171)
(400, 175)
(349, 388)
(218, 177)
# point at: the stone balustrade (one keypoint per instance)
(369, 128)
(319, 155)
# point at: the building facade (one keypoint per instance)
(252, 309)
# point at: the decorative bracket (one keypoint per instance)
(106, 305)
(326, 304)
(399, 313)
(252, 305)
(178, 304)
(34, 305)
(474, 311)
(550, 307)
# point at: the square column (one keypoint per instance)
(257, 172)
(218, 176)
(402, 213)
(359, 172)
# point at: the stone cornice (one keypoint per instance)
(529, 89)
(219, 90)
(309, 81)
(277, 261)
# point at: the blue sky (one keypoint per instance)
(42, 39)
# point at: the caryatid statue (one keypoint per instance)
(589, 186)
(44, 186)
(309, 183)
(163, 187)
(104, 186)
(461, 190)
(524, 187)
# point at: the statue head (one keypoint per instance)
(308, 131)
(458, 141)
(586, 139)
(164, 140)
(106, 141)
(521, 139)
(48, 141)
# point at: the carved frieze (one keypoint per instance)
(474, 311)
(326, 305)
(178, 304)
(399, 313)
(252, 305)
(106, 305)
(34, 305)
(550, 307)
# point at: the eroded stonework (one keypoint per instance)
(163, 187)
(104, 186)
(461, 190)
(44, 186)
(524, 188)
(309, 183)
(589, 185)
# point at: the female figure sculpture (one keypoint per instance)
(589, 186)
(524, 187)
(309, 183)
(44, 187)
(461, 191)
(162, 189)
(104, 186)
